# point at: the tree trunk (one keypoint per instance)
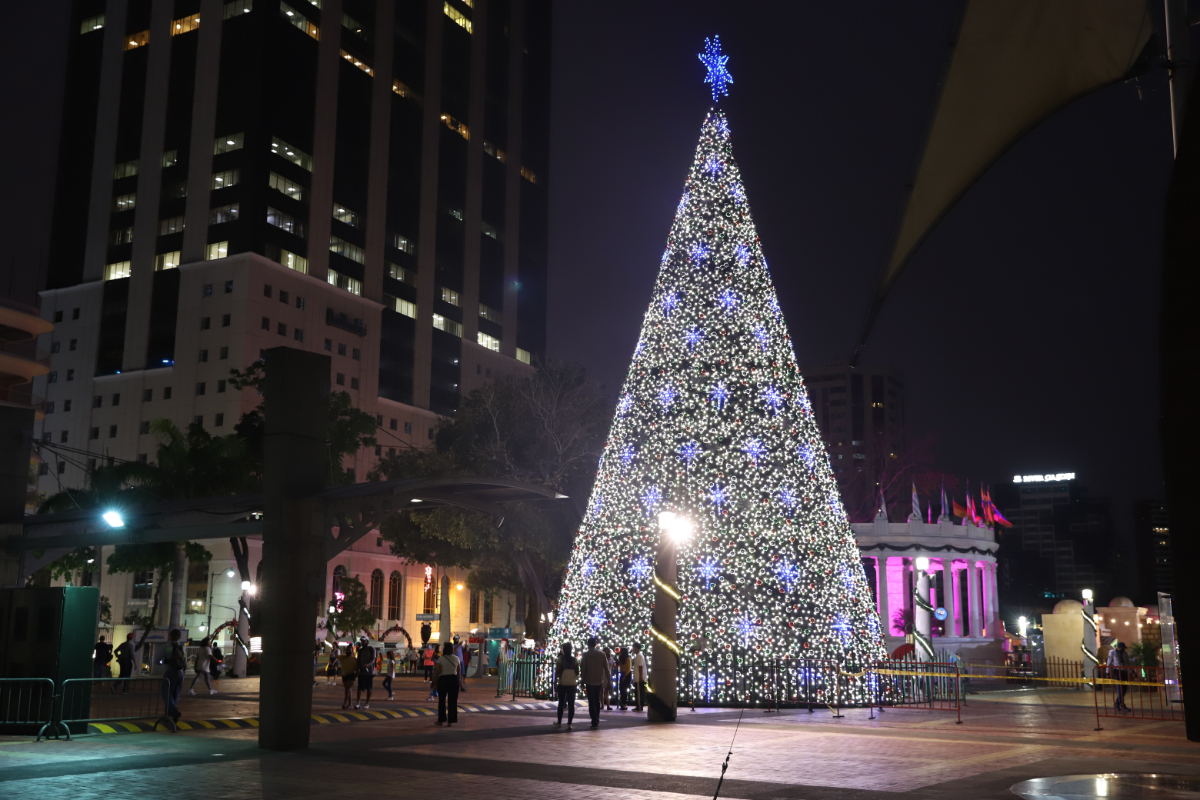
(533, 621)
(178, 584)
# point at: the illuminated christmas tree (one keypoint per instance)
(714, 423)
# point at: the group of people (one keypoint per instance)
(208, 660)
(599, 671)
(357, 664)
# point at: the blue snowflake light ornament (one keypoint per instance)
(717, 75)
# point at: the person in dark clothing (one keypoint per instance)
(593, 671)
(623, 670)
(566, 674)
(445, 677)
(102, 659)
(214, 665)
(126, 657)
(174, 662)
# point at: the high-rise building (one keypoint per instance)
(1062, 540)
(1152, 534)
(363, 179)
(860, 412)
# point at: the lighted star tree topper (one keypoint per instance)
(713, 423)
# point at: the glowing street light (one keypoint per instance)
(229, 573)
(1087, 594)
(113, 518)
(1022, 626)
(251, 589)
(923, 564)
(678, 527)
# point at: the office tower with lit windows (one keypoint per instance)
(860, 412)
(1152, 536)
(363, 179)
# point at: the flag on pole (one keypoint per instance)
(987, 505)
(945, 502)
(882, 510)
(1000, 518)
(916, 502)
(959, 511)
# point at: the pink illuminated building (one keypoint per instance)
(962, 559)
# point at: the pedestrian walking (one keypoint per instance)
(102, 659)
(430, 655)
(594, 672)
(610, 689)
(1116, 671)
(214, 663)
(332, 671)
(447, 678)
(623, 671)
(638, 663)
(203, 655)
(174, 662)
(504, 667)
(366, 671)
(390, 674)
(412, 660)
(566, 672)
(126, 655)
(348, 664)
(459, 652)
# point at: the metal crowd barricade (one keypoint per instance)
(28, 703)
(811, 683)
(87, 700)
(926, 685)
(533, 677)
(1052, 673)
(1135, 692)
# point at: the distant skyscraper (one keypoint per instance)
(1061, 541)
(363, 179)
(861, 415)
(1152, 534)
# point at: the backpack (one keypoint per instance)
(568, 673)
(175, 658)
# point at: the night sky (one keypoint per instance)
(1026, 325)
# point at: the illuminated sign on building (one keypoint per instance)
(1059, 476)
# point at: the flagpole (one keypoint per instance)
(1179, 64)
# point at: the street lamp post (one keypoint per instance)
(922, 610)
(664, 675)
(1089, 632)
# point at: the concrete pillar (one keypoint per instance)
(949, 593)
(444, 632)
(997, 624)
(957, 611)
(922, 617)
(973, 605)
(295, 463)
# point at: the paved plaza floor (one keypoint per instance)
(1007, 740)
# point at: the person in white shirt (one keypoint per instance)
(639, 676)
(1116, 663)
(203, 656)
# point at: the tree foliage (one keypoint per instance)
(546, 429)
(355, 615)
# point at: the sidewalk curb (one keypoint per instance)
(327, 718)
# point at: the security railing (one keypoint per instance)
(1136, 692)
(88, 700)
(28, 703)
(531, 677)
(925, 685)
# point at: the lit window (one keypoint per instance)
(223, 180)
(404, 244)
(401, 306)
(523, 356)
(490, 314)
(346, 249)
(227, 144)
(489, 230)
(495, 152)
(282, 184)
(170, 225)
(238, 7)
(92, 24)
(120, 235)
(185, 24)
(396, 272)
(456, 213)
(166, 261)
(170, 158)
(126, 169)
(293, 261)
(120, 269)
(286, 221)
(457, 17)
(450, 296)
(217, 250)
(292, 154)
(351, 285)
(343, 214)
(223, 214)
(299, 20)
(404, 91)
(528, 174)
(490, 342)
(124, 202)
(358, 62)
(447, 325)
(458, 127)
(135, 40)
